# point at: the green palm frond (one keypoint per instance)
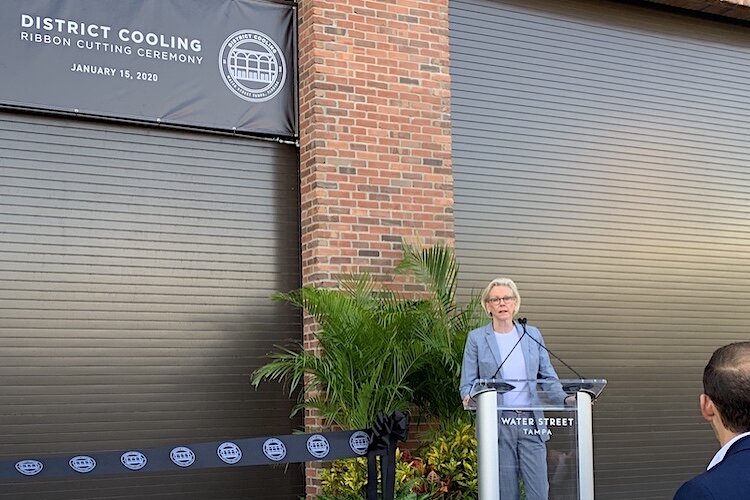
(380, 351)
(435, 267)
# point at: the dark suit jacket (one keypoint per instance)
(728, 480)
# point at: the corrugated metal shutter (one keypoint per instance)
(136, 266)
(602, 160)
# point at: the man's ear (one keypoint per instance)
(707, 406)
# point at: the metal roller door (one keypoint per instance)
(601, 159)
(136, 266)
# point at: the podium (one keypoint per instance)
(531, 409)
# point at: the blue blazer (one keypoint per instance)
(727, 480)
(482, 359)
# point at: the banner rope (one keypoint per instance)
(232, 453)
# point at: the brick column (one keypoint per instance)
(375, 144)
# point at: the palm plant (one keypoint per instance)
(380, 352)
(442, 327)
(367, 355)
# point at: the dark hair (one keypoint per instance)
(726, 380)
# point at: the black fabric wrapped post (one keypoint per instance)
(384, 436)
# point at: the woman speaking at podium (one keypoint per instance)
(511, 350)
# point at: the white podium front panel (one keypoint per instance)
(531, 443)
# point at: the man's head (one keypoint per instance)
(726, 388)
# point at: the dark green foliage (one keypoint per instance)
(442, 327)
(380, 351)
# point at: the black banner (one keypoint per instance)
(235, 453)
(220, 64)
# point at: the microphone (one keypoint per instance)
(568, 388)
(523, 323)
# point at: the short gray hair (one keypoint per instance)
(501, 282)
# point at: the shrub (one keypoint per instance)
(347, 479)
(452, 455)
(447, 469)
(380, 351)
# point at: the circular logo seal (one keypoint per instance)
(82, 464)
(182, 456)
(274, 449)
(29, 467)
(318, 446)
(359, 442)
(133, 460)
(252, 65)
(229, 453)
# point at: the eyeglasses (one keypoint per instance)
(497, 300)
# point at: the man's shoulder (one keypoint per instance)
(693, 490)
(728, 479)
(741, 445)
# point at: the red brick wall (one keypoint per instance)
(375, 144)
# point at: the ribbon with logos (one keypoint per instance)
(380, 440)
(232, 453)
